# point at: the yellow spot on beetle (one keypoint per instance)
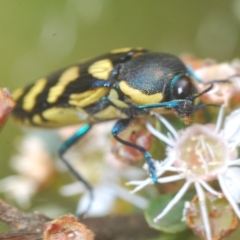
(59, 117)
(109, 113)
(101, 69)
(121, 50)
(113, 97)
(37, 119)
(88, 97)
(67, 76)
(17, 93)
(30, 98)
(139, 97)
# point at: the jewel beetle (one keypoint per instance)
(121, 85)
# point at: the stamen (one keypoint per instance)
(137, 182)
(159, 135)
(219, 120)
(174, 169)
(176, 198)
(170, 136)
(172, 178)
(143, 184)
(210, 151)
(163, 168)
(204, 212)
(136, 200)
(203, 160)
(166, 124)
(209, 188)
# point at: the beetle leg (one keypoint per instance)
(199, 80)
(120, 126)
(64, 147)
(194, 75)
(169, 104)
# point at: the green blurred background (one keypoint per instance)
(40, 36)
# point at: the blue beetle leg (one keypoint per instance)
(193, 74)
(170, 104)
(122, 125)
(64, 147)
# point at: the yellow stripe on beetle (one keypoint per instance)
(139, 97)
(114, 98)
(18, 93)
(87, 98)
(67, 76)
(29, 100)
(109, 113)
(59, 117)
(101, 69)
(121, 50)
(37, 119)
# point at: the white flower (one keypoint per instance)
(200, 154)
(34, 168)
(103, 174)
(105, 193)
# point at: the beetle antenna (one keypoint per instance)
(211, 85)
(227, 80)
(199, 106)
(204, 91)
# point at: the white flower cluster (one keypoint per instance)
(200, 154)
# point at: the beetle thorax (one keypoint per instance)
(146, 79)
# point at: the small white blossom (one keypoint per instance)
(200, 154)
(105, 193)
(34, 167)
(103, 174)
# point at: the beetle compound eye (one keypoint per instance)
(183, 88)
